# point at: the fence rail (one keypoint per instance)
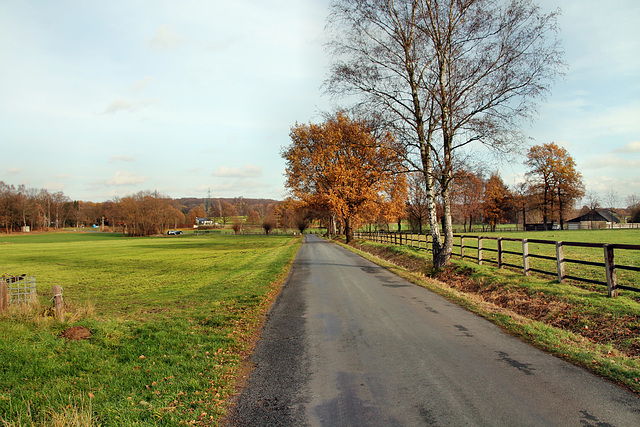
(550, 257)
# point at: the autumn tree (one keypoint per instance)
(467, 196)
(342, 166)
(497, 205)
(253, 218)
(443, 75)
(227, 211)
(195, 212)
(553, 176)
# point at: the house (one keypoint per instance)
(203, 221)
(596, 218)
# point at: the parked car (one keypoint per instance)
(174, 232)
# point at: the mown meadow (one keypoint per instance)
(170, 319)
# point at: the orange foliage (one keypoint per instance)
(343, 167)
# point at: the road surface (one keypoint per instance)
(348, 343)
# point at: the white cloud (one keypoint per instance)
(123, 104)
(632, 147)
(121, 178)
(245, 172)
(612, 162)
(166, 38)
(122, 159)
(63, 176)
(13, 170)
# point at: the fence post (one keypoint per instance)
(57, 302)
(401, 239)
(612, 280)
(560, 261)
(4, 296)
(525, 256)
(499, 252)
(479, 250)
(462, 247)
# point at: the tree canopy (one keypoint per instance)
(344, 166)
(554, 179)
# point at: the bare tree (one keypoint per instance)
(444, 74)
(592, 200)
(611, 198)
(633, 200)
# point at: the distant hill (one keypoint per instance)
(188, 203)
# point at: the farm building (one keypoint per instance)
(596, 218)
(203, 221)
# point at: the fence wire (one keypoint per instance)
(20, 289)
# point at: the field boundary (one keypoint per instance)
(524, 254)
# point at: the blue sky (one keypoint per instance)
(103, 99)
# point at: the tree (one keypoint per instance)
(417, 209)
(497, 201)
(442, 75)
(341, 166)
(196, 212)
(553, 176)
(253, 218)
(467, 195)
(524, 200)
(611, 197)
(227, 210)
(268, 223)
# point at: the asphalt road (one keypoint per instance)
(348, 343)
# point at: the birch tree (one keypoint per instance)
(444, 75)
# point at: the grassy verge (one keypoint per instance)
(578, 325)
(170, 319)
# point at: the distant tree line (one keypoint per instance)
(142, 214)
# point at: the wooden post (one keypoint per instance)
(525, 256)
(4, 296)
(58, 304)
(479, 250)
(560, 261)
(499, 252)
(610, 266)
(461, 247)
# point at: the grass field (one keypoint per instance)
(622, 256)
(170, 317)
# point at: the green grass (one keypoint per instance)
(619, 236)
(171, 318)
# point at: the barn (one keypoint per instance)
(595, 218)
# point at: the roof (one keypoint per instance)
(597, 215)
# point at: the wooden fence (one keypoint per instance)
(550, 257)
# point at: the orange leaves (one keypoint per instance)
(341, 166)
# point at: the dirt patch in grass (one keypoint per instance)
(76, 333)
(600, 326)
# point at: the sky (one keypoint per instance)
(197, 97)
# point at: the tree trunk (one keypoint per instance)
(348, 231)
